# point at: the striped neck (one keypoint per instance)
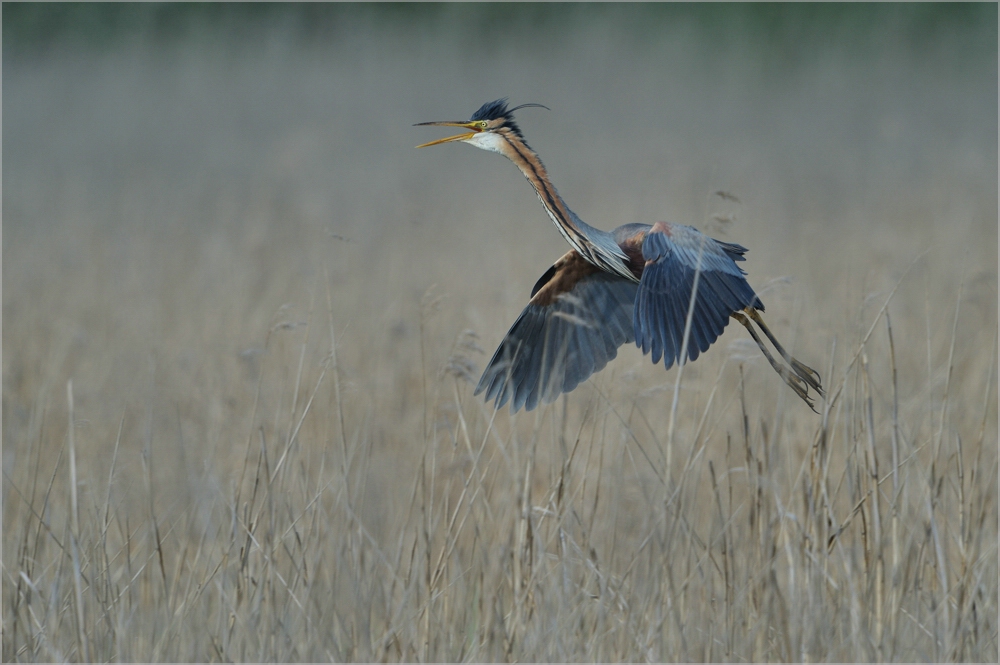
(596, 246)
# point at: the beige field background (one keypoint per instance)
(243, 318)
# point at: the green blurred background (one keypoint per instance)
(791, 30)
(831, 99)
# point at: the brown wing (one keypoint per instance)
(574, 323)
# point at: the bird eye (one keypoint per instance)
(482, 125)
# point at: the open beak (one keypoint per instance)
(457, 137)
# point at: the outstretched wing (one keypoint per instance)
(574, 323)
(673, 254)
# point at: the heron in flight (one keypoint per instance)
(667, 287)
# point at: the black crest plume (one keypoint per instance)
(498, 109)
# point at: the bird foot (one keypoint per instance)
(801, 377)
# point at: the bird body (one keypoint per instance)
(668, 288)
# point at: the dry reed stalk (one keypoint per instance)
(939, 551)
(81, 626)
(298, 371)
(833, 395)
(951, 363)
(682, 361)
(724, 534)
(336, 380)
(298, 426)
(876, 551)
(894, 596)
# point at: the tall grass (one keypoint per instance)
(303, 510)
(238, 420)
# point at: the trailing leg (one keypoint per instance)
(794, 380)
(806, 373)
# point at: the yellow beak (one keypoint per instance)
(457, 137)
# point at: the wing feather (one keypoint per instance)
(673, 254)
(573, 325)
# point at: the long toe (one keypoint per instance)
(809, 375)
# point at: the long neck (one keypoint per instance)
(596, 246)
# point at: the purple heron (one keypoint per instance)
(667, 287)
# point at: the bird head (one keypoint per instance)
(486, 126)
